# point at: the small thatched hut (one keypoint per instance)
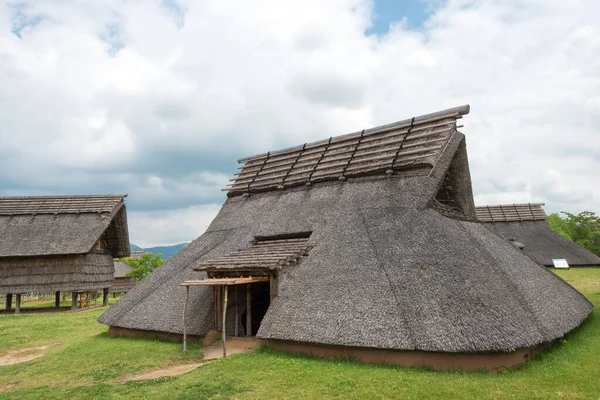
(526, 226)
(363, 246)
(60, 243)
(122, 283)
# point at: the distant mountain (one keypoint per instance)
(133, 247)
(166, 251)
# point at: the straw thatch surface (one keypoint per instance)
(79, 272)
(387, 269)
(54, 225)
(542, 244)
(263, 254)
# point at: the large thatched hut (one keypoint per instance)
(526, 226)
(50, 244)
(363, 246)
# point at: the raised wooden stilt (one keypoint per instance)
(235, 299)
(57, 300)
(248, 310)
(104, 297)
(224, 333)
(18, 304)
(74, 301)
(9, 301)
(187, 296)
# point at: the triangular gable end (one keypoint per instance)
(454, 196)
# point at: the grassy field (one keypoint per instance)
(86, 363)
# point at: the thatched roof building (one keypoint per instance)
(364, 246)
(122, 283)
(60, 243)
(526, 226)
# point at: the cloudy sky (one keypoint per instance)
(159, 99)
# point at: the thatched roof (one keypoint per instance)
(511, 212)
(263, 254)
(531, 229)
(397, 259)
(60, 225)
(122, 269)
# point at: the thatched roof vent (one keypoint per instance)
(268, 254)
(415, 142)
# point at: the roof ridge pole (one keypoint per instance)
(412, 124)
(282, 186)
(259, 171)
(362, 135)
(308, 183)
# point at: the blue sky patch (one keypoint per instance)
(21, 20)
(113, 37)
(386, 12)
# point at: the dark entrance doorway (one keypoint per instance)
(261, 299)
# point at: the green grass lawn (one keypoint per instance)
(87, 363)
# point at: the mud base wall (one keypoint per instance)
(432, 360)
(164, 336)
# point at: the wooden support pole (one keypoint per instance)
(271, 288)
(224, 333)
(9, 301)
(248, 310)
(187, 296)
(57, 300)
(18, 304)
(73, 301)
(235, 298)
(219, 304)
(104, 297)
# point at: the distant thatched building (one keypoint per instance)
(364, 246)
(122, 283)
(60, 243)
(526, 226)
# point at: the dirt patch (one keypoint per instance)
(159, 373)
(23, 355)
(234, 346)
(8, 386)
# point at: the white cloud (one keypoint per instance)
(159, 98)
(156, 228)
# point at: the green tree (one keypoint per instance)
(143, 266)
(583, 228)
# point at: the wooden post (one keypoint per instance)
(248, 310)
(73, 301)
(235, 298)
(18, 304)
(104, 297)
(9, 301)
(57, 300)
(271, 288)
(187, 295)
(224, 333)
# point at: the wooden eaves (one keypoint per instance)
(226, 281)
